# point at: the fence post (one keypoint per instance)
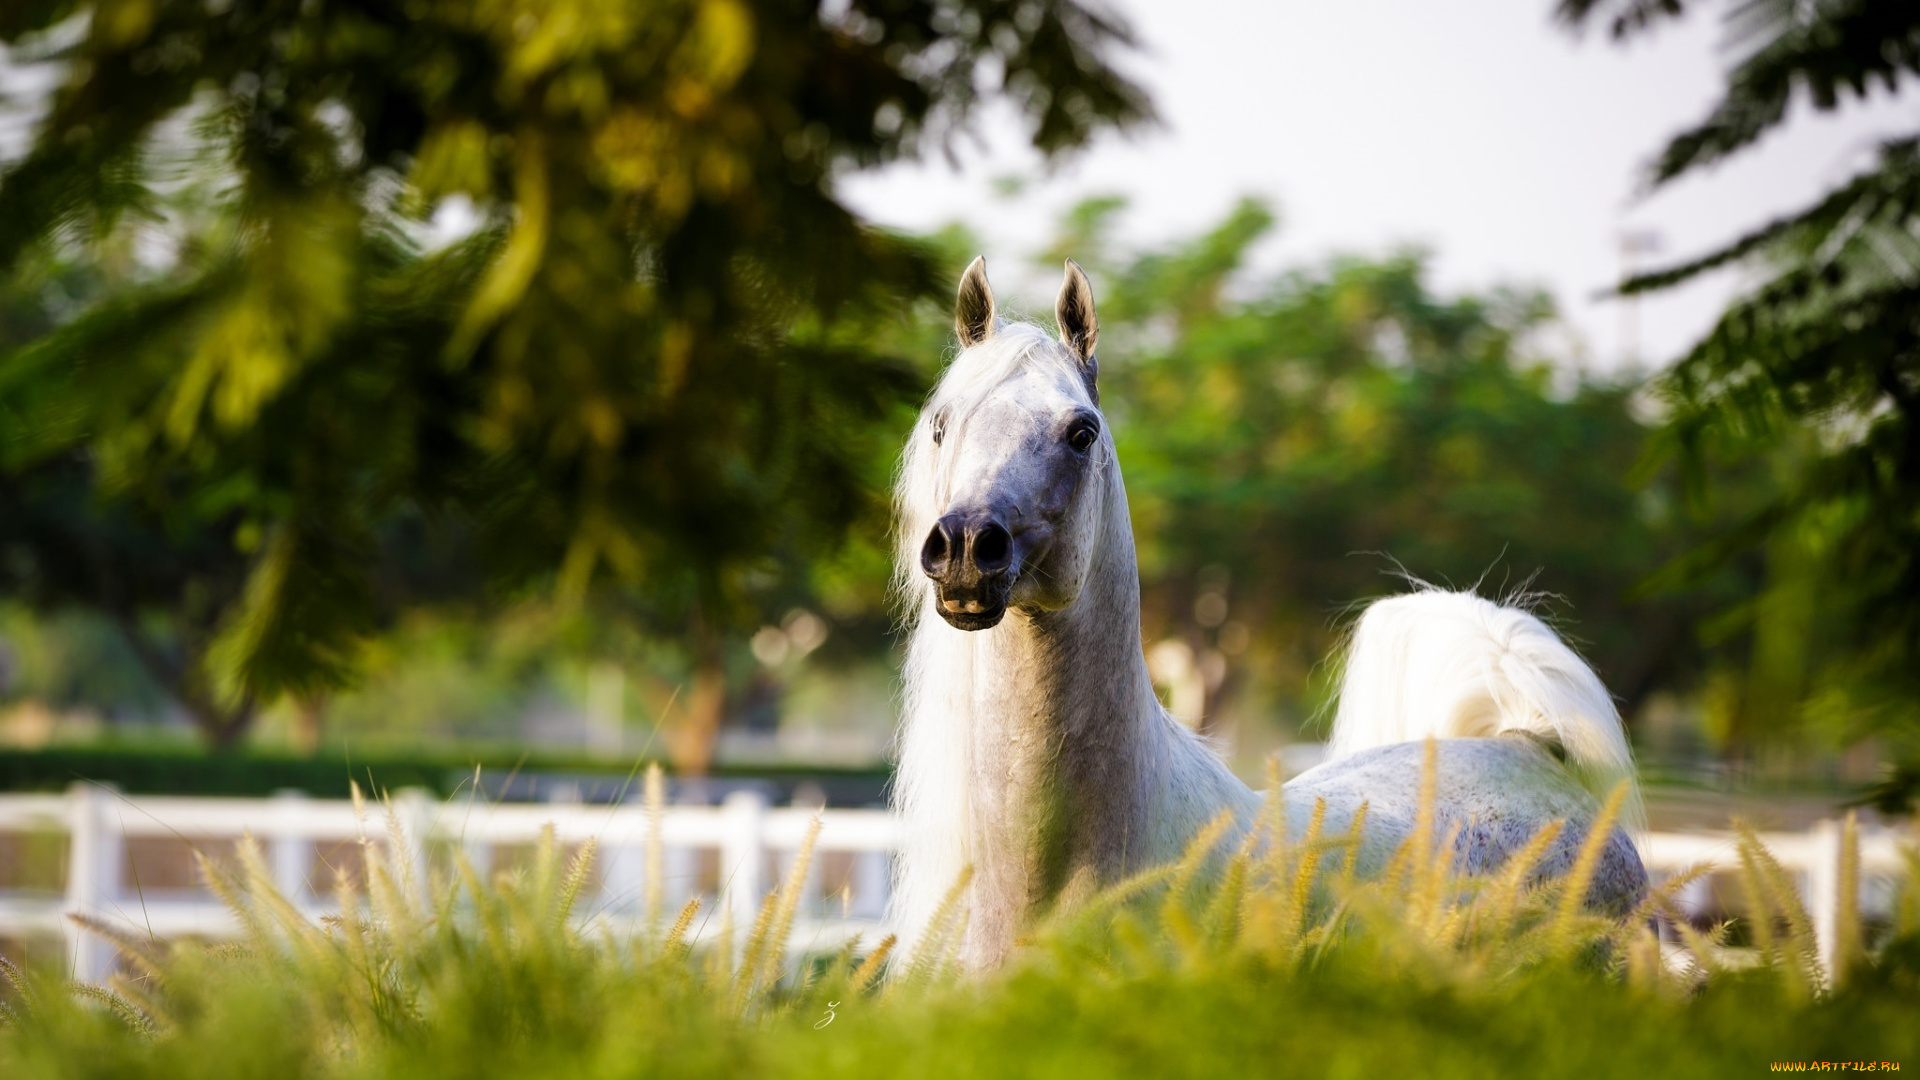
(93, 877)
(872, 883)
(623, 854)
(679, 873)
(1823, 889)
(414, 808)
(1696, 898)
(742, 857)
(292, 850)
(477, 849)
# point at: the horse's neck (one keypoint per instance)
(1075, 772)
(1065, 720)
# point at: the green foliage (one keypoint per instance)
(1278, 957)
(648, 363)
(1813, 377)
(187, 771)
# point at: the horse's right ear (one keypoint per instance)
(973, 316)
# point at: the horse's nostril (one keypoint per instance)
(992, 548)
(935, 552)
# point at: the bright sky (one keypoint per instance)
(1477, 129)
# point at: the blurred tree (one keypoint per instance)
(464, 669)
(73, 662)
(644, 357)
(1290, 443)
(1814, 376)
(62, 548)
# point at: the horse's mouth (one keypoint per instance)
(974, 620)
(964, 612)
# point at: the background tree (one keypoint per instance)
(1813, 376)
(647, 361)
(1293, 443)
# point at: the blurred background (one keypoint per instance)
(391, 389)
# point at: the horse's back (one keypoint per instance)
(1496, 792)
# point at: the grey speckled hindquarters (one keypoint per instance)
(1499, 792)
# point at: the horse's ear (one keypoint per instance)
(1079, 329)
(973, 316)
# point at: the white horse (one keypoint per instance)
(1034, 749)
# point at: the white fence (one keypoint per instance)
(735, 852)
(1813, 856)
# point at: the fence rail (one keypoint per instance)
(734, 853)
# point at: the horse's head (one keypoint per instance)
(998, 504)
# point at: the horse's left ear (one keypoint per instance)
(1078, 327)
(973, 314)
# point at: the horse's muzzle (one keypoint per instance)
(971, 560)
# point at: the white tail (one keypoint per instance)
(1452, 665)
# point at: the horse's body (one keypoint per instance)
(1034, 748)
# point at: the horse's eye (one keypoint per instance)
(939, 429)
(1082, 438)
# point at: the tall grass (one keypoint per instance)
(1264, 956)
